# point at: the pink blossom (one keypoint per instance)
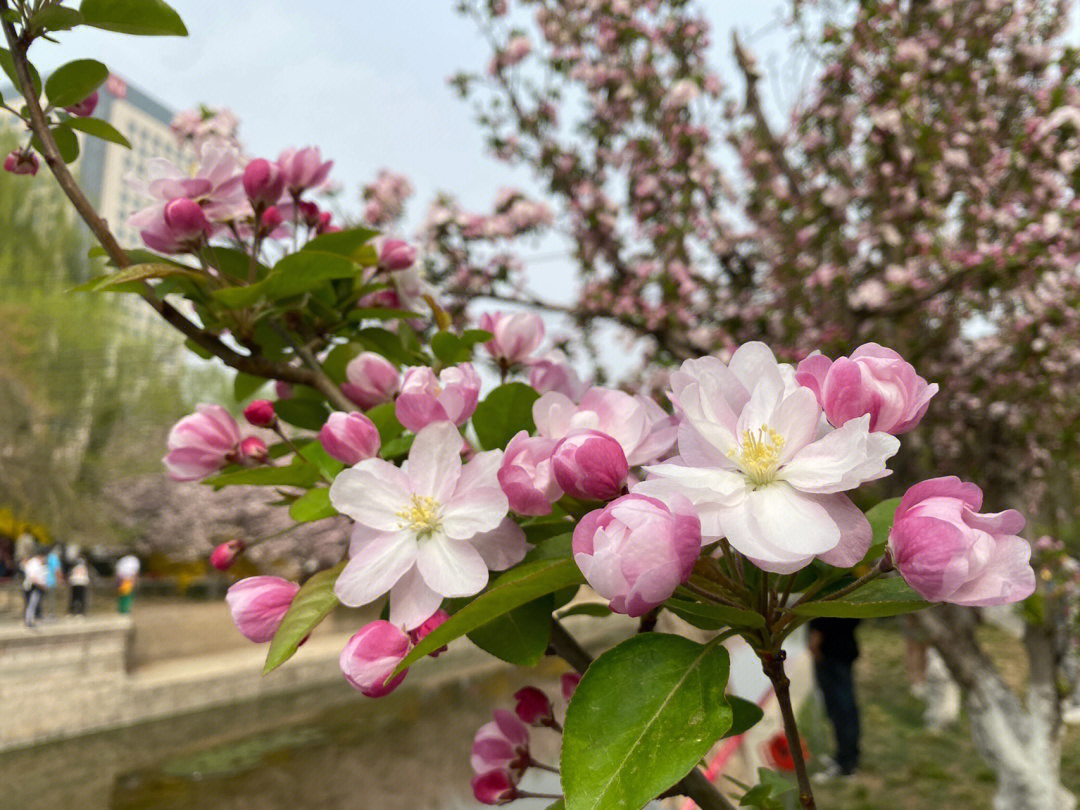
(260, 413)
(254, 449)
(397, 255)
(226, 554)
(875, 381)
(501, 745)
(264, 182)
(424, 531)
(526, 475)
(425, 398)
(533, 707)
(85, 107)
(950, 552)
(590, 465)
(258, 604)
(753, 463)
(494, 787)
(372, 380)
(202, 443)
(371, 655)
(20, 161)
(435, 620)
(303, 169)
(553, 372)
(568, 683)
(516, 335)
(349, 437)
(637, 550)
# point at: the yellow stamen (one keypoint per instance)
(422, 516)
(758, 454)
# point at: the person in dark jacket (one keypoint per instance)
(834, 648)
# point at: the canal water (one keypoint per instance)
(326, 748)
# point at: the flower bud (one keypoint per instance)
(568, 683)
(637, 550)
(533, 707)
(950, 552)
(270, 219)
(590, 465)
(303, 169)
(186, 218)
(254, 448)
(502, 744)
(425, 398)
(350, 437)
(21, 162)
(258, 604)
(260, 413)
(372, 380)
(85, 107)
(420, 633)
(263, 182)
(371, 655)
(226, 554)
(202, 443)
(283, 389)
(494, 787)
(553, 372)
(526, 475)
(516, 335)
(397, 255)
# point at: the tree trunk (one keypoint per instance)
(1021, 742)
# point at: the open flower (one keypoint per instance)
(427, 530)
(753, 462)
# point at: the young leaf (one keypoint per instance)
(56, 18)
(881, 520)
(138, 17)
(520, 636)
(295, 274)
(314, 505)
(504, 412)
(586, 609)
(523, 584)
(313, 603)
(745, 715)
(99, 129)
(138, 272)
(713, 617)
(642, 717)
(293, 475)
(7, 64)
(876, 599)
(245, 385)
(344, 243)
(303, 413)
(71, 83)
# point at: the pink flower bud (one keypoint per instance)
(875, 381)
(258, 604)
(202, 443)
(186, 218)
(260, 413)
(516, 335)
(21, 162)
(397, 255)
(350, 437)
(950, 552)
(283, 389)
(637, 550)
(420, 633)
(372, 380)
(303, 169)
(270, 219)
(425, 398)
(309, 213)
(526, 474)
(590, 465)
(502, 744)
(263, 182)
(85, 107)
(533, 707)
(254, 448)
(226, 554)
(568, 683)
(553, 372)
(370, 657)
(494, 787)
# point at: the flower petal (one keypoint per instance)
(373, 492)
(503, 546)
(411, 600)
(474, 511)
(376, 568)
(435, 461)
(451, 567)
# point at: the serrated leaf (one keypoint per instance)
(713, 617)
(503, 413)
(99, 129)
(137, 17)
(642, 717)
(313, 505)
(526, 582)
(313, 602)
(877, 599)
(71, 83)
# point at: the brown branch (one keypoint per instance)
(773, 665)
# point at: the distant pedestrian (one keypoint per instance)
(127, 573)
(35, 573)
(834, 648)
(54, 575)
(80, 583)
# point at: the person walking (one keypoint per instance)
(834, 649)
(35, 573)
(127, 573)
(79, 579)
(54, 575)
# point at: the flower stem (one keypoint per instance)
(772, 663)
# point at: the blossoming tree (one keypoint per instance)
(482, 513)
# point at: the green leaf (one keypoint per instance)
(56, 18)
(138, 272)
(505, 411)
(99, 129)
(386, 422)
(445, 346)
(7, 64)
(519, 637)
(526, 582)
(138, 17)
(384, 342)
(303, 413)
(643, 716)
(293, 475)
(295, 274)
(557, 805)
(314, 602)
(234, 262)
(745, 715)
(713, 617)
(881, 521)
(66, 143)
(246, 385)
(315, 453)
(344, 243)
(876, 599)
(381, 314)
(314, 505)
(586, 609)
(71, 83)
(559, 547)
